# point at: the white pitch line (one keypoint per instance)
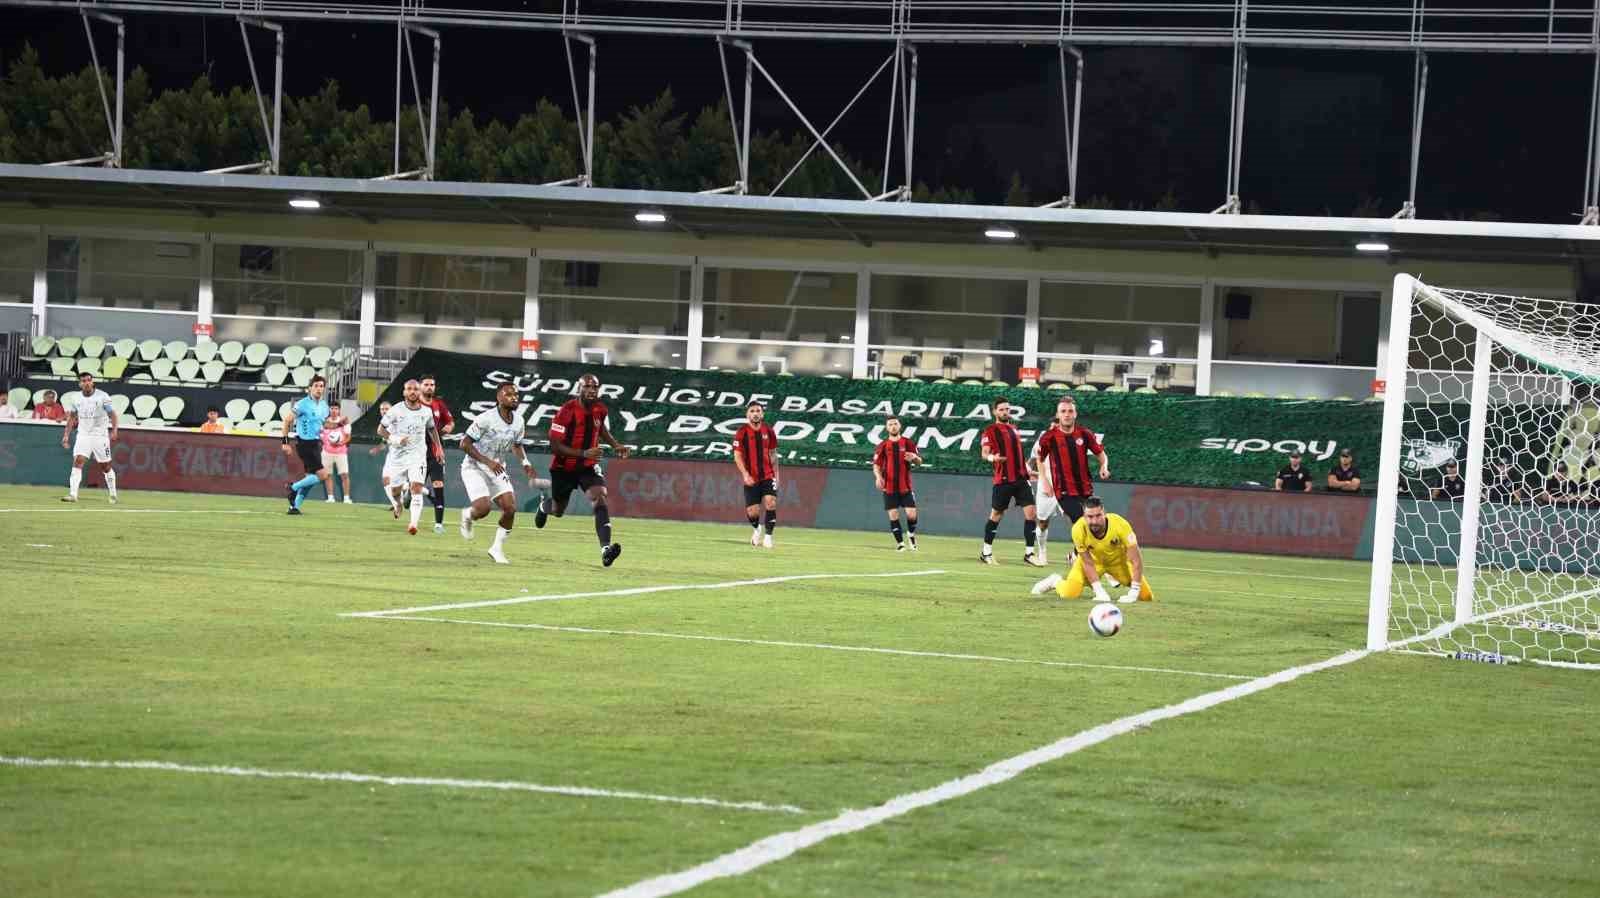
(776, 848)
(78, 510)
(815, 645)
(635, 591)
(346, 777)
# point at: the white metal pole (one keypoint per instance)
(694, 347)
(117, 137)
(277, 108)
(1394, 402)
(858, 355)
(1477, 427)
(530, 306)
(399, 32)
(433, 114)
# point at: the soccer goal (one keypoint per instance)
(1503, 389)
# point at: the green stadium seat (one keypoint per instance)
(68, 346)
(230, 352)
(120, 402)
(1145, 389)
(89, 365)
(1028, 384)
(211, 372)
(125, 348)
(144, 405)
(149, 351)
(263, 410)
(302, 376)
(176, 350)
(367, 392)
(343, 353)
(38, 348)
(255, 357)
(1059, 385)
(1287, 396)
(18, 398)
(1086, 388)
(943, 380)
(1116, 388)
(293, 355)
(1255, 394)
(205, 352)
(284, 407)
(1344, 399)
(318, 357)
(237, 409)
(1225, 394)
(188, 371)
(275, 374)
(62, 366)
(143, 377)
(889, 377)
(972, 382)
(93, 347)
(171, 408)
(1311, 397)
(161, 369)
(999, 383)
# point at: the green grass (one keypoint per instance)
(216, 639)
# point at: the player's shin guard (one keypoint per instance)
(911, 525)
(438, 503)
(989, 527)
(602, 524)
(1029, 528)
(416, 510)
(73, 480)
(772, 520)
(111, 482)
(894, 527)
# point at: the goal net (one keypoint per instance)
(1486, 544)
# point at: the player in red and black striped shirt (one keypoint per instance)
(1062, 460)
(443, 423)
(891, 467)
(576, 435)
(1002, 447)
(753, 446)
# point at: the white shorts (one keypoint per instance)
(336, 463)
(414, 471)
(481, 483)
(92, 446)
(1046, 506)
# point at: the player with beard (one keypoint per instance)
(575, 437)
(1002, 447)
(443, 423)
(1106, 547)
(488, 438)
(1062, 459)
(753, 446)
(891, 468)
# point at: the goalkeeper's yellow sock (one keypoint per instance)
(1072, 586)
(1146, 594)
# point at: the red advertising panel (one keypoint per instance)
(1267, 522)
(705, 491)
(199, 463)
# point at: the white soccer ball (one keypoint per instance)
(1105, 619)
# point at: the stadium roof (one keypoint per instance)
(713, 215)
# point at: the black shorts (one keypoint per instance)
(1072, 507)
(310, 452)
(907, 499)
(1018, 491)
(435, 469)
(753, 494)
(562, 483)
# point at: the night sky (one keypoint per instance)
(1326, 132)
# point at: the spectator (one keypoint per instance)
(48, 409)
(1559, 489)
(1345, 476)
(7, 413)
(336, 452)
(1503, 487)
(212, 425)
(383, 409)
(1293, 478)
(1451, 487)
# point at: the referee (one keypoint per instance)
(302, 436)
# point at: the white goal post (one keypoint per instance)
(1486, 539)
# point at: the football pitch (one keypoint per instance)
(202, 696)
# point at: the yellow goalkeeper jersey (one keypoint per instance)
(1110, 551)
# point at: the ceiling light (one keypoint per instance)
(1000, 232)
(1372, 246)
(306, 202)
(308, 339)
(1157, 347)
(650, 216)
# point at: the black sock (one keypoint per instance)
(894, 527)
(989, 527)
(602, 525)
(1028, 528)
(772, 520)
(911, 525)
(438, 503)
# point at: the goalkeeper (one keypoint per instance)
(1106, 546)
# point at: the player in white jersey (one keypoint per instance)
(1045, 498)
(96, 421)
(483, 471)
(408, 429)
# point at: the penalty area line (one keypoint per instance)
(776, 848)
(954, 656)
(347, 777)
(634, 591)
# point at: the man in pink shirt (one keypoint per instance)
(336, 452)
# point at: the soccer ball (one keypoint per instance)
(1105, 619)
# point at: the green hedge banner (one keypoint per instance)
(831, 422)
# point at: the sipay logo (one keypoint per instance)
(1312, 448)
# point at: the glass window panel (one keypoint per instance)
(106, 271)
(283, 332)
(1132, 339)
(980, 332)
(1277, 324)
(92, 321)
(915, 293)
(287, 281)
(955, 364)
(16, 266)
(614, 297)
(660, 352)
(478, 341)
(1119, 302)
(486, 291)
(752, 356)
(812, 307)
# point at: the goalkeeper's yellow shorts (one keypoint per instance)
(1072, 585)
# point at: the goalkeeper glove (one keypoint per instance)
(1100, 594)
(1132, 596)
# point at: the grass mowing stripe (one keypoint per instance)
(346, 777)
(813, 645)
(1241, 573)
(776, 848)
(73, 510)
(634, 591)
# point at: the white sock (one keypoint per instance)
(73, 480)
(988, 549)
(111, 482)
(500, 534)
(416, 509)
